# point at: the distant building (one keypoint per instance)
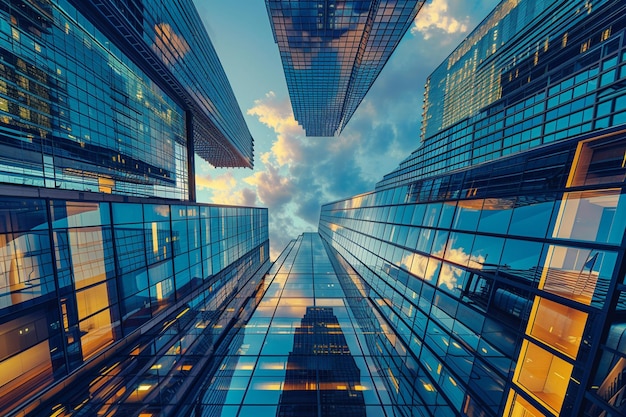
(321, 357)
(495, 252)
(106, 261)
(332, 51)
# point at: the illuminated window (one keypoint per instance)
(106, 185)
(592, 216)
(557, 325)
(543, 375)
(584, 47)
(606, 34)
(598, 162)
(517, 406)
(571, 273)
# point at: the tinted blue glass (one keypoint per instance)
(531, 218)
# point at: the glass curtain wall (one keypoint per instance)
(80, 276)
(507, 274)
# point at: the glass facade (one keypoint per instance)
(305, 351)
(518, 82)
(172, 39)
(82, 110)
(82, 280)
(115, 286)
(332, 51)
(505, 282)
(495, 252)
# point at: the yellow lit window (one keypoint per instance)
(517, 406)
(24, 113)
(106, 185)
(584, 47)
(606, 34)
(543, 375)
(557, 325)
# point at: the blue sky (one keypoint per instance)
(293, 174)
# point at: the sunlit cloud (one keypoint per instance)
(273, 189)
(278, 116)
(223, 190)
(225, 181)
(426, 268)
(434, 18)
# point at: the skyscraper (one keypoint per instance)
(110, 272)
(106, 97)
(332, 51)
(495, 251)
(303, 352)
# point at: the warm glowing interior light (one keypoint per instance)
(182, 313)
(155, 238)
(269, 386)
(144, 387)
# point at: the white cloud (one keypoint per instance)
(434, 17)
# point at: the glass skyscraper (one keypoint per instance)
(332, 51)
(114, 283)
(304, 351)
(495, 252)
(113, 97)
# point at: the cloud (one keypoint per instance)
(222, 182)
(274, 190)
(223, 190)
(433, 18)
(278, 116)
(426, 268)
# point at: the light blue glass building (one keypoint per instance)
(110, 272)
(332, 51)
(494, 254)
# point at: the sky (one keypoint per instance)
(295, 175)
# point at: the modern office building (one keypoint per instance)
(495, 252)
(113, 97)
(332, 51)
(303, 352)
(110, 272)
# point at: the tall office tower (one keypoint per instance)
(304, 351)
(495, 252)
(332, 51)
(113, 97)
(110, 273)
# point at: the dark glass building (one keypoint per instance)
(332, 51)
(495, 252)
(114, 283)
